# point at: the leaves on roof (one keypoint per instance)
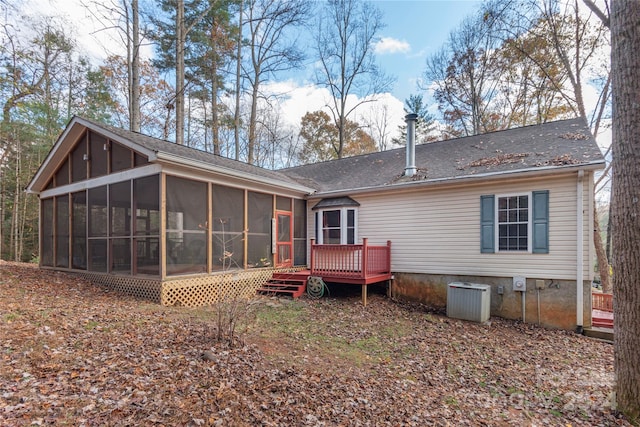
(575, 136)
(562, 160)
(500, 159)
(420, 175)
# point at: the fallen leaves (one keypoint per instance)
(74, 353)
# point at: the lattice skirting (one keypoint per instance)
(205, 290)
(190, 291)
(150, 289)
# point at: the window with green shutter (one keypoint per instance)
(515, 222)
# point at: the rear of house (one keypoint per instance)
(181, 226)
(491, 209)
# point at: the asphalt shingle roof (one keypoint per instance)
(555, 144)
(161, 146)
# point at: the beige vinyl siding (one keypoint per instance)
(437, 230)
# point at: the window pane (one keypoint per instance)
(140, 160)
(62, 231)
(513, 223)
(78, 164)
(258, 250)
(98, 255)
(283, 203)
(351, 236)
(228, 209)
(98, 211)
(147, 255)
(120, 208)
(62, 175)
(120, 157)
(79, 230)
(46, 248)
(331, 218)
(299, 232)
(331, 236)
(228, 251)
(146, 193)
(97, 155)
(259, 212)
(186, 226)
(284, 228)
(121, 255)
(228, 226)
(351, 215)
(300, 218)
(299, 252)
(186, 253)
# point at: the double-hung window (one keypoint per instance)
(515, 222)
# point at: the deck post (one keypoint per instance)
(313, 242)
(364, 295)
(364, 260)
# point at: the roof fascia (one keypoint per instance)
(523, 173)
(206, 167)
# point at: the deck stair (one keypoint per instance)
(286, 284)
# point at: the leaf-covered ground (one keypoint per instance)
(75, 354)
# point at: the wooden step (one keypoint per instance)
(602, 323)
(293, 287)
(605, 334)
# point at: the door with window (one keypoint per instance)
(284, 239)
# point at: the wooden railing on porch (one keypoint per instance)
(359, 264)
(600, 301)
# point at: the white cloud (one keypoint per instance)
(299, 100)
(391, 45)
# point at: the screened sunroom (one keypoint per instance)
(163, 221)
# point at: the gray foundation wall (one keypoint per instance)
(552, 306)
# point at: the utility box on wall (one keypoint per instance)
(469, 301)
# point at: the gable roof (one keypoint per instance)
(531, 149)
(156, 150)
(566, 144)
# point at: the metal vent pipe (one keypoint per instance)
(410, 168)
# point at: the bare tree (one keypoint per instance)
(625, 62)
(344, 44)
(124, 16)
(271, 49)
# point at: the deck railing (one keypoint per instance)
(347, 261)
(600, 301)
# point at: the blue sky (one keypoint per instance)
(425, 26)
(414, 30)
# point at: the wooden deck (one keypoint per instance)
(602, 310)
(352, 264)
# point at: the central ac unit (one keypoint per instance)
(469, 301)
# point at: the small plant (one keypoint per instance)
(232, 317)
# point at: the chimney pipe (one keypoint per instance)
(410, 168)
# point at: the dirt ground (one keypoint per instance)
(73, 353)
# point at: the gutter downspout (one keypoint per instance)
(580, 253)
(410, 167)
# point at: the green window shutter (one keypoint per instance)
(487, 228)
(540, 225)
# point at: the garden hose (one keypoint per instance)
(316, 287)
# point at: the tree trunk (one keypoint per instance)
(135, 69)
(625, 63)
(215, 120)
(253, 118)
(236, 118)
(180, 41)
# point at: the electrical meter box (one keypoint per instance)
(519, 284)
